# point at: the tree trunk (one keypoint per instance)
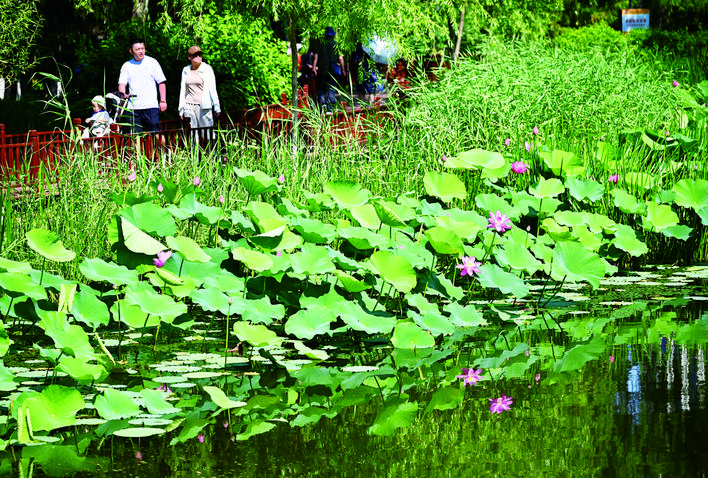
(140, 9)
(293, 53)
(459, 35)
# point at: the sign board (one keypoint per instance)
(635, 18)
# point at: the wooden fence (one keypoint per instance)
(25, 157)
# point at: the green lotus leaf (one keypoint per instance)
(574, 262)
(211, 299)
(312, 414)
(444, 240)
(680, 231)
(591, 241)
(70, 338)
(517, 256)
(139, 432)
(313, 230)
(359, 319)
(350, 283)
(598, 223)
(154, 304)
(578, 355)
(318, 202)
(695, 333)
(220, 399)
(18, 285)
(6, 265)
(256, 183)
(241, 221)
(256, 335)
(393, 214)
(563, 163)
(133, 315)
(626, 202)
(362, 238)
(255, 427)
(7, 379)
(100, 271)
(433, 321)
(396, 414)
(581, 189)
(311, 260)
(447, 398)
(347, 194)
(89, 309)
(628, 240)
(48, 245)
(156, 403)
(491, 275)
(366, 216)
(115, 405)
(445, 186)
(264, 216)
(253, 259)
(408, 335)
(303, 349)
(151, 218)
(188, 248)
(659, 217)
(81, 370)
(691, 193)
(476, 159)
(262, 311)
(310, 322)
(547, 188)
(467, 230)
(639, 180)
(466, 316)
(394, 269)
(139, 241)
(55, 407)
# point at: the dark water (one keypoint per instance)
(643, 414)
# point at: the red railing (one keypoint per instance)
(24, 157)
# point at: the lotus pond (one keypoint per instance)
(495, 315)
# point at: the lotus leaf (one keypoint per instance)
(394, 269)
(139, 241)
(659, 217)
(407, 335)
(393, 214)
(563, 163)
(444, 240)
(347, 194)
(547, 188)
(582, 189)
(476, 159)
(55, 407)
(150, 218)
(256, 183)
(366, 216)
(398, 413)
(48, 245)
(445, 186)
(491, 275)
(692, 193)
(308, 323)
(256, 335)
(447, 398)
(572, 261)
(188, 248)
(115, 405)
(628, 240)
(155, 402)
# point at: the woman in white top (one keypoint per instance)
(197, 93)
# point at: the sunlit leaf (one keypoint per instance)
(48, 244)
(445, 186)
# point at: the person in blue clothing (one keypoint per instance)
(198, 99)
(142, 77)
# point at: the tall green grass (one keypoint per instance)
(574, 98)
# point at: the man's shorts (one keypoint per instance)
(145, 121)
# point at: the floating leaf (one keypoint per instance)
(394, 269)
(445, 186)
(220, 398)
(47, 244)
(140, 432)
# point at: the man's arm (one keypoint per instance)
(163, 96)
(121, 88)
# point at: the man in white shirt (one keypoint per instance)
(142, 77)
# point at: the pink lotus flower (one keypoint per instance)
(444, 158)
(200, 437)
(470, 376)
(519, 167)
(196, 181)
(469, 266)
(611, 358)
(281, 178)
(139, 455)
(501, 404)
(160, 188)
(537, 377)
(527, 146)
(226, 424)
(164, 388)
(507, 142)
(613, 178)
(221, 199)
(535, 130)
(498, 221)
(132, 176)
(676, 84)
(162, 257)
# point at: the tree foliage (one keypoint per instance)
(20, 26)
